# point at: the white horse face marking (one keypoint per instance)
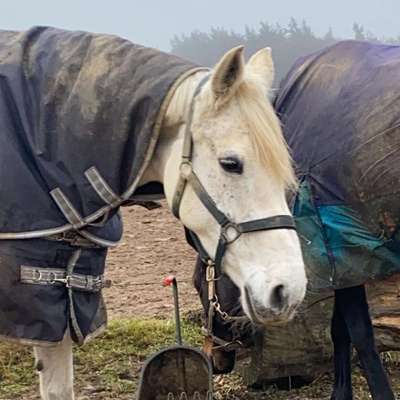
(267, 266)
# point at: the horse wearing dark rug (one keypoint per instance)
(91, 122)
(340, 110)
(76, 136)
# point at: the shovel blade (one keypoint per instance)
(176, 373)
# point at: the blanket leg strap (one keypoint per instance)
(102, 188)
(74, 321)
(66, 207)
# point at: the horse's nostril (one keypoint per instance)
(278, 298)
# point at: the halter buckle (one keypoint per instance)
(210, 278)
(186, 169)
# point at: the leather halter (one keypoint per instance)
(230, 231)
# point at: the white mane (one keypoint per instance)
(263, 125)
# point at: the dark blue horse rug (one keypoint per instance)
(340, 110)
(80, 116)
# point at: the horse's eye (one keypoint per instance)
(231, 164)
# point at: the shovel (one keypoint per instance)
(178, 372)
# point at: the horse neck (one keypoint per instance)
(172, 130)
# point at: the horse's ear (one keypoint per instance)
(262, 65)
(227, 75)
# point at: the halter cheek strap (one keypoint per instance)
(185, 169)
(230, 231)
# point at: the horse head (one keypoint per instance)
(226, 168)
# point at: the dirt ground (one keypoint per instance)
(153, 247)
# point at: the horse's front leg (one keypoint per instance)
(55, 367)
(342, 388)
(354, 308)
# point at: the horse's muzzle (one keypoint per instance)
(278, 311)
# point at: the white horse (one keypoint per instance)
(241, 158)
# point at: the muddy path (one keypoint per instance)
(152, 247)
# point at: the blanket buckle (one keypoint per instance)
(66, 281)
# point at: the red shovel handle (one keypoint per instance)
(169, 280)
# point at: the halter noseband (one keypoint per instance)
(230, 231)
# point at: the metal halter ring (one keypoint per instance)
(230, 232)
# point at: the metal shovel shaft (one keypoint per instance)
(168, 281)
(177, 316)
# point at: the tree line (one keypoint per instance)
(287, 42)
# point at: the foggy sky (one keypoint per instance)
(154, 23)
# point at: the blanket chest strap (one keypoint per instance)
(54, 276)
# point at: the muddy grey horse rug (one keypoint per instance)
(340, 110)
(80, 115)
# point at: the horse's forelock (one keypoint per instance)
(265, 131)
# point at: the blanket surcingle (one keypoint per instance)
(340, 110)
(80, 115)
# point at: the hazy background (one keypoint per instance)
(201, 30)
(154, 23)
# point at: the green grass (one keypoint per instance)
(16, 370)
(108, 367)
(109, 364)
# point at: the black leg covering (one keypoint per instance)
(353, 306)
(342, 388)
